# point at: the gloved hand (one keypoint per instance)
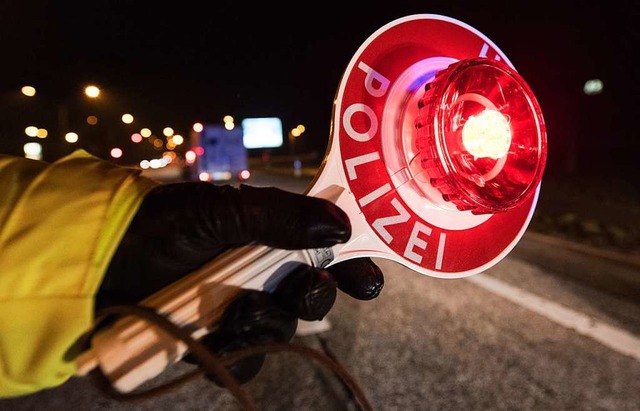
(181, 226)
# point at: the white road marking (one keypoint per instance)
(615, 338)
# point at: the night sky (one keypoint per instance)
(181, 62)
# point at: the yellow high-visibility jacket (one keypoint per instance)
(60, 224)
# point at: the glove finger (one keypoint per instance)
(255, 316)
(181, 226)
(307, 293)
(251, 319)
(282, 219)
(360, 277)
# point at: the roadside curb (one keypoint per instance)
(614, 256)
(612, 272)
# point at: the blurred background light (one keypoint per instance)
(92, 91)
(116, 152)
(31, 131)
(71, 137)
(190, 156)
(28, 91)
(593, 87)
(33, 151)
(127, 118)
(177, 139)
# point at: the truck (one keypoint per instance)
(220, 154)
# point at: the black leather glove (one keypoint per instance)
(181, 226)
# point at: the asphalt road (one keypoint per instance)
(521, 336)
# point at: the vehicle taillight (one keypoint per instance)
(244, 175)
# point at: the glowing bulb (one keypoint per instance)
(487, 135)
(482, 137)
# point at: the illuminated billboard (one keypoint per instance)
(262, 132)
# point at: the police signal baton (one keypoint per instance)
(437, 151)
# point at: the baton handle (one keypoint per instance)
(133, 351)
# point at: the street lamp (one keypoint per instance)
(127, 118)
(92, 91)
(28, 91)
(294, 134)
(71, 137)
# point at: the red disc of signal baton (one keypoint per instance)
(374, 132)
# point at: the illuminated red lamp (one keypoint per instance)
(481, 136)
